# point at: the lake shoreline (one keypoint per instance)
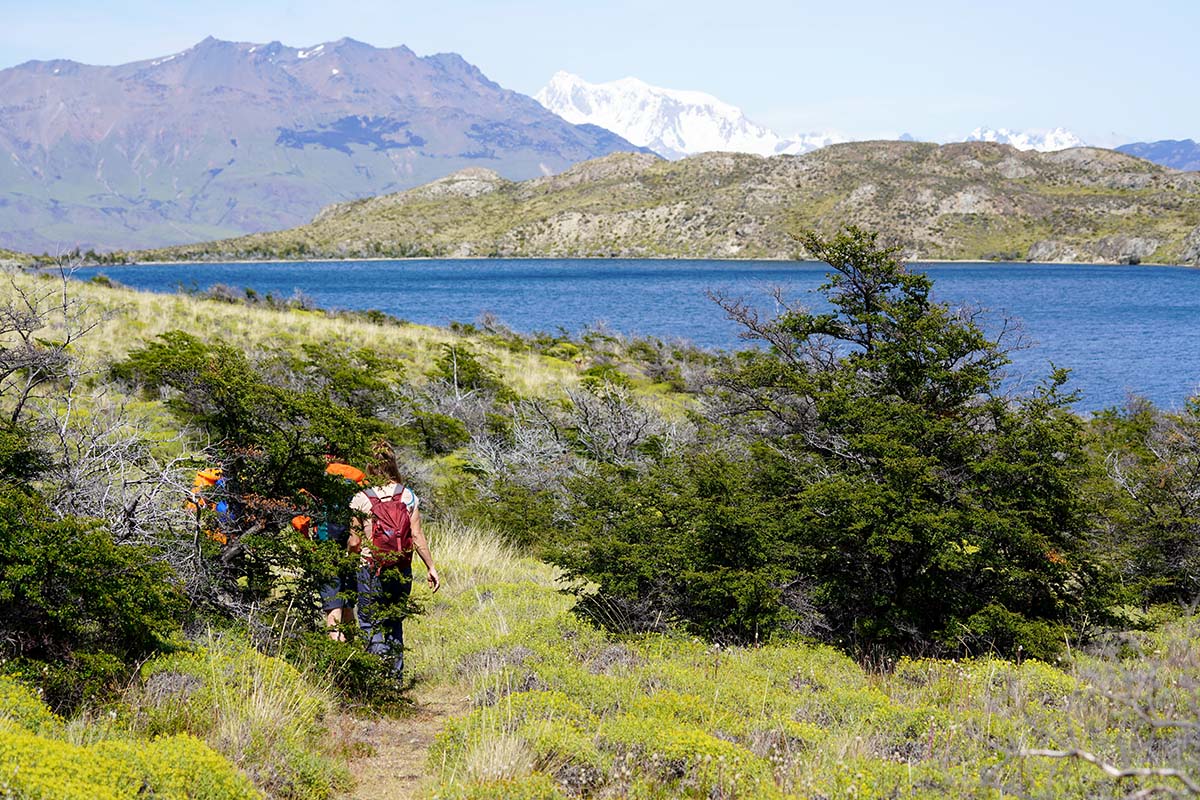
(661, 259)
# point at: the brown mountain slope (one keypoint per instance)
(960, 201)
(227, 138)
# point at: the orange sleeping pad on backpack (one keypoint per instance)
(352, 474)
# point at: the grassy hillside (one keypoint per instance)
(128, 318)
(9, 257)
(961, 201)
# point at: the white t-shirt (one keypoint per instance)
(362, 504)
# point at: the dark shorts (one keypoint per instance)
(340, 593)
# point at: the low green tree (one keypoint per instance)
(886, 491)
(272, 427)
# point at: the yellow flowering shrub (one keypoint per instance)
(531, 787)
(34, 767)
(22, 705)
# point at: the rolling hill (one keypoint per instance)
(974, 200)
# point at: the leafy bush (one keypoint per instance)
(271, 440)
(440, 433)
(690, 542)
(460, 367)
(355, 675)
(1146, 503)
(75, 608)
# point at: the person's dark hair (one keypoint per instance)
(383, 466)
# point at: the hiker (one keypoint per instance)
(385, 529)
(338, 593)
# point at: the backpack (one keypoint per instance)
(391, 530)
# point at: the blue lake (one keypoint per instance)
(1119, 329)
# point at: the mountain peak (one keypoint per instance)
(1041, 139)
(671, 122)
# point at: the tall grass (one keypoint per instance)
(488, 591)
(262, 713)
(129, 318)
(470, 556)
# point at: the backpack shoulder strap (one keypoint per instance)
(396, 495)
(373, 498)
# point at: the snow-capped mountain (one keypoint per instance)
(1041, 140)
(670, 122)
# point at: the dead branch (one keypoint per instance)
(1117, 772)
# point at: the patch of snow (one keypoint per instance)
(252, 49)
(164, 60)
(334, 71)
(55, 70)
(316, 51)
(671, 122)
(1040, 139)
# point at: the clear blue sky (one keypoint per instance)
(1110, 71)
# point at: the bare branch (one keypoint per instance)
(1117, 772)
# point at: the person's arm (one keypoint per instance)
(357, 531)
(422, 548)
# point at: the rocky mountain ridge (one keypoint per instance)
(975, 200)
(1181, 154)
(232, 137)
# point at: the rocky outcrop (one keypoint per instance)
(1190, 254)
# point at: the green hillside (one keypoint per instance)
(959, 201)
(13, 257)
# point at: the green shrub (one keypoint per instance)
(995, 627)
(355, 675)
(862, 479)
(600, 374)
(75, 607)
(1146, 524)
(460, 367)
(274, 422)
(440, 433)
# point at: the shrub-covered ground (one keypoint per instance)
(209, 674)
(561, 709)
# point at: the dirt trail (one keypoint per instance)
(398, 767)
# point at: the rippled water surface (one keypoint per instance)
(1120, 329)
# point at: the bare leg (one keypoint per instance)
(333, 623)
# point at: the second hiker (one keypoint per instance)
(386, 530)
